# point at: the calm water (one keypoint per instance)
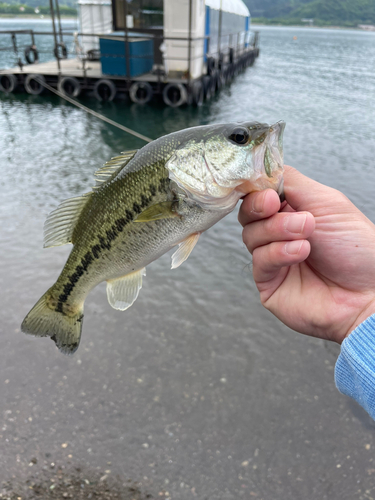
(196, 390)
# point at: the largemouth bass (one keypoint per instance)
(144, 203)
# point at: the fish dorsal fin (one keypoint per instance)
(122, 292)
(184, 250)
(59, 226)
(112, 168)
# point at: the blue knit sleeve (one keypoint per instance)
(355, 367)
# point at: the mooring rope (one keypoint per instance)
(92, 112)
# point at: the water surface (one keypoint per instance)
(196, 390)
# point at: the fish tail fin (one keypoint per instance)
(45, 320)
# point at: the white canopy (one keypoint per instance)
(94, 2)
(231, 6)
(95, 18)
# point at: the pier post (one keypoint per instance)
(219, 33)
(54, 35)
(59, 21)
(127, 62)
(189, 46)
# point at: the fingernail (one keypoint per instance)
(293, 247)
(258, 203)
(295, 223)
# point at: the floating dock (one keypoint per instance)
(185, 59)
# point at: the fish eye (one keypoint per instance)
(239, 135)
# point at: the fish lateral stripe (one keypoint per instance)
(74, 278)
(104, 245)
(120, 224)
(90, 256)
(164, 185)
(96, 250)
(144, 200)
(111, 234)
(137, 208)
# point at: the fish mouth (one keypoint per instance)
(281, 191)
(274, 157)
(276, 154)
(268, 163)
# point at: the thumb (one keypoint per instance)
(305, 194)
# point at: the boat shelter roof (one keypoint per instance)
(231, 6)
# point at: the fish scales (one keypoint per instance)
(118, 239)
(147, 202)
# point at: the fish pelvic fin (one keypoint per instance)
(184, 250)
(45, 320)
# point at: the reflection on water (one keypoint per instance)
(216, 370)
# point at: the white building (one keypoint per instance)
(172, 21)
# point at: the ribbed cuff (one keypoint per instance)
(355, 367)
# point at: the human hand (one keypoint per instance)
(314, 261)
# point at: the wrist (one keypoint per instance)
(365, 313)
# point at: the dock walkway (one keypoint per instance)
(74, 67)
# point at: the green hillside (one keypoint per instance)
(347, 11)
(273, 8)
(324, 12)
(23, 9)
(40, 3)
(12, 6)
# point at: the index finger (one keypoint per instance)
(258, 205)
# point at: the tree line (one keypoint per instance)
(324, 12)
(14, 9)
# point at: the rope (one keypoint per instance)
(94, 113)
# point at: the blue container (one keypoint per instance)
(112, 50)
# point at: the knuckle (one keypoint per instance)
(244, 217)
(247, 238)
(263, 256)
(264, 299)
(256, 262)
(339, 197)
(274, 252)
(274, 225)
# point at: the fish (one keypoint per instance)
(144, 203)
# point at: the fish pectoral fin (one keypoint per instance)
(184, 250)
(122, 292)
(163, 210)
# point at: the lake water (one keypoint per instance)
(196, 390)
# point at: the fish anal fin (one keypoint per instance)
(122, 292)
(163, 210)
(60, 224)
(184, 250)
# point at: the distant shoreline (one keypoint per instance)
(311, 27)
(33, 16)
(72, 18)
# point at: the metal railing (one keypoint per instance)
(229, 48)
